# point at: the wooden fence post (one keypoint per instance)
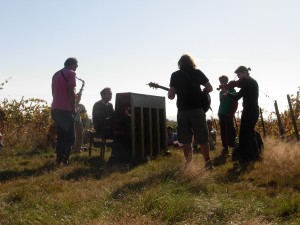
(293, 117)
(281, 130)
(262, 122)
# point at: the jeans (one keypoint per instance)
(228, 132)
(248, 148)
(65, 123)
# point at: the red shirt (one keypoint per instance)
(60, 83)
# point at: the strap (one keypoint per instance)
(64, 76)
(193, 84)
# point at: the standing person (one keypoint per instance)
(227, 109)
(77, 148)
(63, 108)
(103, 114)
(191, 118)
(248, 149)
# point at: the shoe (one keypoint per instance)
(196, 149)
(65, 162)
(224, 151)
(78, 151)
(208, 165)
(57, 163)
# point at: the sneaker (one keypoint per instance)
(224, 151)
(57, 163)
(196, 149)
(208, 165)
(65, 162)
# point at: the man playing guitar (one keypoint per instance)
(191, 118)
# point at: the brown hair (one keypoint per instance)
(186, 62)
(104, 91)
(223, 77)
(242, 69)
(169, 127)
(70, 62)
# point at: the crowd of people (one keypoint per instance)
(186, 84)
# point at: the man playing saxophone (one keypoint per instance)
(63, 108)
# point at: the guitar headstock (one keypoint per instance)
(153, 85)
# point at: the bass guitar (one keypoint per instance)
(204, 96)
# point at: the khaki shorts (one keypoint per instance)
(192, 122)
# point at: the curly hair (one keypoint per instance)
(186, 62)
(104, 91)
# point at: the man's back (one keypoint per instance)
(187, 85)
(61, 81)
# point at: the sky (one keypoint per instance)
(127, 44)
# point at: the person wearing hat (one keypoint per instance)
(248, 150)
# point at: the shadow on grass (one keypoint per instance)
(97, 168)
(139, 186)
(234, 174)
(80, 167)
(7, 175)
(220, 160)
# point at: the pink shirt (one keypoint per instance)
(59, 89)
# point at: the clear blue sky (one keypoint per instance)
(126, 44)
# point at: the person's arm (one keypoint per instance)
(235, 96)
(171, 93)
(207, 87)
(71, 96)
(234, 103)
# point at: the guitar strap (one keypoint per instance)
(64, 76)
(191, 82)
(204, 100)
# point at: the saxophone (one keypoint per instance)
(78, 109)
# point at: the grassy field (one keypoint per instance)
(89, 191)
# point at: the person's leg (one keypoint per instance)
(205, 152)
(57, 117)
(230, 131)
(78, 136)
(247, 140)
(223, 133)
(254, 153)
(69, 135)
(188, 153)
(185, 135)
(199, 126)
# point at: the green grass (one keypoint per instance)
(89, 191)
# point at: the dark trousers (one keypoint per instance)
(65, 125)
(228, 132)
(248, 148)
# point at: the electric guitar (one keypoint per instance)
(205, 97)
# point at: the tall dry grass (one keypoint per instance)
(89, 191)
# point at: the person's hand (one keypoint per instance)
(77, 98)
(224, 90)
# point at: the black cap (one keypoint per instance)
(242, 69)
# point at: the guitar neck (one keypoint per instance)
(164, 88)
